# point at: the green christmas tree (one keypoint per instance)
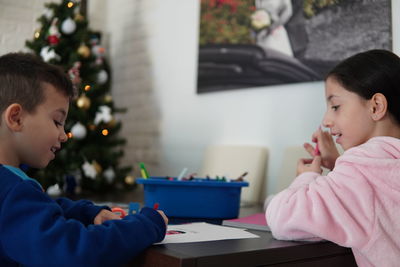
(90, 158)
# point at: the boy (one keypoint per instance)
(34, 229)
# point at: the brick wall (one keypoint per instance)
(18, 23)
(128, 34)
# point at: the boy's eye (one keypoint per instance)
(335, 107)
(57, 123)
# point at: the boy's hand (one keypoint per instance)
(326, 146)
(163, 216)
(309, 165)
(105, 215)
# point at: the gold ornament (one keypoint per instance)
(37, 34)
(97, 167)
(83, 102)
(129, 180)
(84, 51)
(108, 98)
(79, 17)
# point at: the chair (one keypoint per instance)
(288, 169)
(232, 161)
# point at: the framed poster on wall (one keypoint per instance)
(252, 43)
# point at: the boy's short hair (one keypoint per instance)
(21, 80)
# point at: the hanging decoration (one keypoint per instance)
(103, 115)
(78, 17)
(83, 102)
(47, 53)
(102, 77)
(48, 14)
(109, 174)
(74, 74)
(89, 170)
(108, 98)
(129, 180)
(83, 50)
(68, 26)
(53, 37)
(78, 131)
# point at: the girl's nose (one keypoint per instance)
(326, 121)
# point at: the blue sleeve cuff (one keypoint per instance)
(155, 217)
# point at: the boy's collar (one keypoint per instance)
(20, 173)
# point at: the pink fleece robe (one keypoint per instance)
(356, 205)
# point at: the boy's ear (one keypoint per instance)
(13, 117)
(378, 106)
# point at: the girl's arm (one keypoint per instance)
(338, 207)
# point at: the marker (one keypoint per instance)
(191, 176)
(241, 177)
(155, 207)
(143, 170)
(316, 150)
(180, 176)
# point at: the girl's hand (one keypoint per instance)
(309, 165)
(326, 146)
(105, 215)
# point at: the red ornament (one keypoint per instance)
(53, 39)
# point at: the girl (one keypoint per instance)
(356, 204)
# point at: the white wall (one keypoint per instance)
(276, 116)
(152, 45)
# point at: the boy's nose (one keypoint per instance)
(63, 137)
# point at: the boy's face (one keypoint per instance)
(43, 130)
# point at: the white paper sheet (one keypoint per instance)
(200, 232)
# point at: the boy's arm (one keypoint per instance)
(337, 207)
(32, 223)
(82, 210)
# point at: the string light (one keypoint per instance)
(87, 87)
(104, 132)
(36, 34)
(70, 4)
(69, 135)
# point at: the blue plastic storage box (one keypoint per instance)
(197, 198)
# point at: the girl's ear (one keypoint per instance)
(378, 106)
(13, 116)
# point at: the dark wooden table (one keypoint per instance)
(263, 251)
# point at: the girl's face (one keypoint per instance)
(348, 116)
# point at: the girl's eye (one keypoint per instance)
(57, 123)
(335, 107)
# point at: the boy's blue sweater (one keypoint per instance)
(35, 230)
